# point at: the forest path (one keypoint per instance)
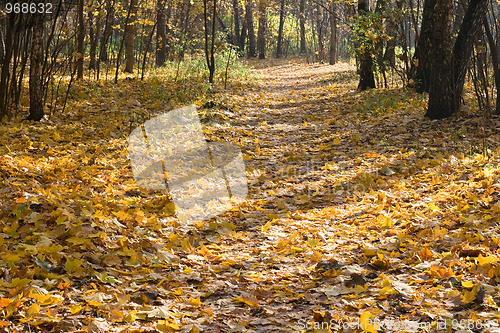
(358, 208)
(349, 205)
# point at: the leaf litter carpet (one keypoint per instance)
(361, 216)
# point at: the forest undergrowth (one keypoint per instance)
(360, 213)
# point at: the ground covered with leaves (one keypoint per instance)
(361, 215)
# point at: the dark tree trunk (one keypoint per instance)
(210, 38)
(459, 15)
(421, 64)
(470, 29)
(390, 50)
(130, 37)
(237, 29)
(36, 65)
(4, 73)
(79, 40)
(366, 77)
(108, 29)
(250, 29)
(320, 31)
(261, 34)
(333, 34)
(94, 33)
(495, 60)
(302, 23)
(161, 33)
(279, 46)
(441, 102)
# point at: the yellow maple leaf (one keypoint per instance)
(486, 260)
(252, 301)
(194, 302)
(470, 296)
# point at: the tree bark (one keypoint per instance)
(279, 46)
(495, 60)
(161, 34)
(36, 65)
(94, 33)
(130, 37)
(421, 64)
(4, 73)
(333, 34)
(470, 29)
(261, 34)
(210, 39)
(459, 15)
(366, 77)
(250, 29)
(320, 31)
(441, 102)
(237, 40)
(79, 40)
(302, 23)
(108, 29)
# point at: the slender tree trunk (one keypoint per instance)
(470, 29)
(161, 33)
(210, 39)
(333, 34)
(279, 46)
(108, 29)
(94, 33)
(320, 31)
(237, 29)
(302, 23)
(250, 29)
(4, 73)
(441, 103)
(261, 34)
(390, 50)
(36, 65)
(495, 60)
(130, 37)
(366, 77)
(79, 40)
(421, 64)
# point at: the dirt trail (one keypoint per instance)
(339, 223)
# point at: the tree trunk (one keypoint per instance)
(130, 37)
(210, 39)
(421, 64)
(366, 77)
(302, 23)
(94, 33)
(390, 50)
(261, 34)
(279, 46)
(108, 29)
(250, 29)
(320, 31)
(459, 15)
(79, 40)
(495, 60)
(237, 29)
(161, 34)
(4, 73)
(441, 102)
(36, 65)
(333, 34)
(464, 45)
